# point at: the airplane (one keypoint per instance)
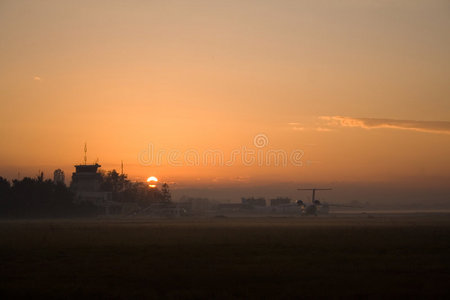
(316, 206)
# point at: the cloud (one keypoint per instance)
(442, 127)
(323, 129)
(241, 178)
(296, 126)
(37, 78)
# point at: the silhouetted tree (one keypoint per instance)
(123, 190)
(36, 197)
(114, 182)
(165, 193)
(5, 192)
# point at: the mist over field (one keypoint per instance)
(371, 195)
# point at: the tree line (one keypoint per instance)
(124, 190)
(37, 197)
(43, 198)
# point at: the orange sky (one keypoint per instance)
(361, 87)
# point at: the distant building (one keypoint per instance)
(230, 207)
(279, 201)
(199, 205)
(260, 202)
(58, 176)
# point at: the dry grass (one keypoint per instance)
(221, 258)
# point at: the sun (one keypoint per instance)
(152, 180)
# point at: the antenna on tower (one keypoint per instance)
(85, 153)
(121, 166)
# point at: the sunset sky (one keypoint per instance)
(361, 88)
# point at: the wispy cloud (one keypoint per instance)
(323, 129)
(240, 179)
(442, 127)
(296, 126)
(37, 78)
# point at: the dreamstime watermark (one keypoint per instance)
(247, 156)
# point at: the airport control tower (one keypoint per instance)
(86, 182)
(86, 178)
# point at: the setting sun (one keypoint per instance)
(152, 180)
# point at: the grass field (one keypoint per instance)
(384, 256)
